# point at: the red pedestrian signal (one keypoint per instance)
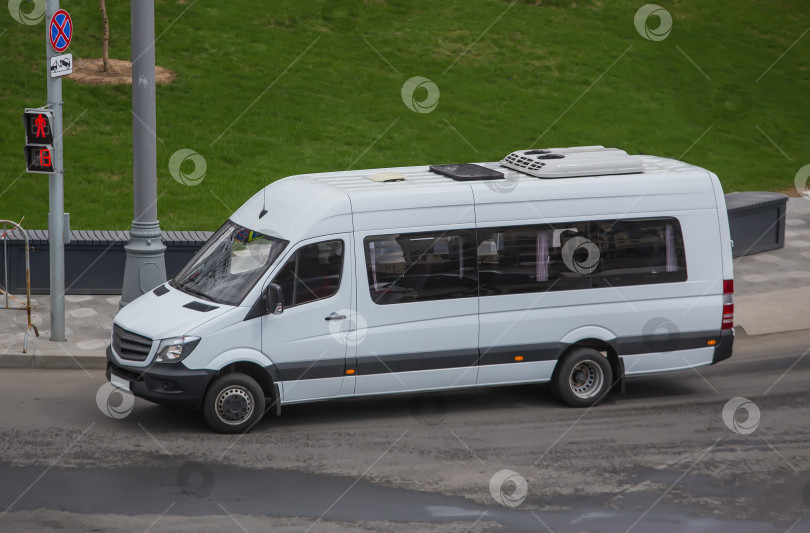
(41, 124)
(38, 126)
(38, 140)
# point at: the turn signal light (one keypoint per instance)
(712, 342)
(518, 358)
(350, 371)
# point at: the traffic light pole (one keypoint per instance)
(56, 194)
(145, 267)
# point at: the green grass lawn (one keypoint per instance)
(578, 71)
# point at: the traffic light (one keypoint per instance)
(38, 140)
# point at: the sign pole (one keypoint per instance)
(56, 202)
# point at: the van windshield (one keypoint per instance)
(229, 264)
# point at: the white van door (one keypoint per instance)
(417, 304)
(307, 341)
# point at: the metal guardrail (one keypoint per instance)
(27, 308)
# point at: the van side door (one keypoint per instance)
(417, 304)
(306, 342)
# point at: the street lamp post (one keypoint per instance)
(145, 264)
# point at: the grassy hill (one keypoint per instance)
(575, 72)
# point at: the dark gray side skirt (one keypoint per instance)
(370, 365)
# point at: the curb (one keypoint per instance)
(88, 360)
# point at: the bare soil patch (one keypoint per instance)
(91, 72)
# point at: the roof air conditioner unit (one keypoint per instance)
(573, 162)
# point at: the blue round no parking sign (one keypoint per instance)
(60, 31)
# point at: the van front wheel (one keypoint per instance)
(234, 403)
(582, 378)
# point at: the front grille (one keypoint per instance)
(130, 346)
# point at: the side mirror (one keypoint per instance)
(273, 299)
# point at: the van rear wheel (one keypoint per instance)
(234, 403)
(582, 378)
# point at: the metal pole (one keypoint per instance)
(56, 202)
(145, 266)
(27, 290)
(5, 263)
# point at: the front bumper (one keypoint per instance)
(166, 384)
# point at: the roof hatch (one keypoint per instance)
(573, 162)
(387, 177)
(467, 172)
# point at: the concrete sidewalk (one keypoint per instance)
(88, 321)
(772, 289)
(772, 294)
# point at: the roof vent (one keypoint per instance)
(386, 177)
(467, 172)
(573, 162)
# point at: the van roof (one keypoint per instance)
(310, 205)
(360, 181)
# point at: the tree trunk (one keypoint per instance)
(105, 46)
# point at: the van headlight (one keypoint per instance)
(175, 349)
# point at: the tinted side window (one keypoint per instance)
(418, 267)
(312, 273)
(523, 259)
(638, 252)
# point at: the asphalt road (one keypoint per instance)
(659, 458)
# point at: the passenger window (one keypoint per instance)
(312, 273)
(638, 252)
(418, 267)
(607, 253)
(527, 259)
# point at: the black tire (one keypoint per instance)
(582, 378)
(233, 403)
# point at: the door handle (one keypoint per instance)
(335, 316)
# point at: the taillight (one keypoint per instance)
(728, 304)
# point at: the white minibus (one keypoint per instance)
(573, 266)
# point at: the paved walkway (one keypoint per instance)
(88, 321)
(772, 295)
(773, 288)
